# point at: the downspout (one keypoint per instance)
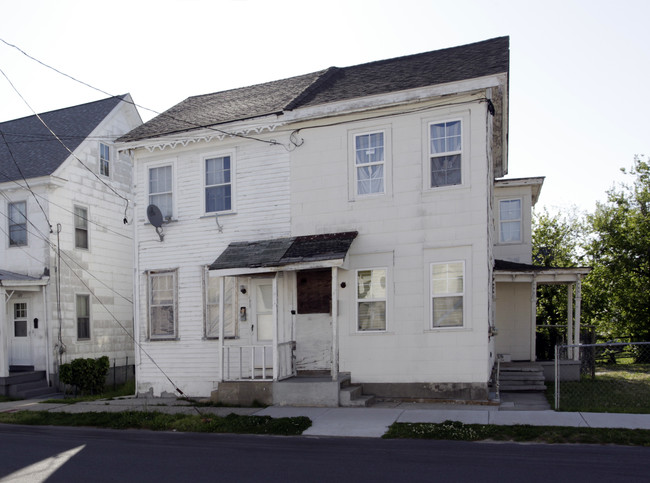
(533, 316)
(276, 358)
(46, 326)
(136, 303)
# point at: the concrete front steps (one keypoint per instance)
(351, 395)
(521, 376)
(25, 383)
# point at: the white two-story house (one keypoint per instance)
(67, 252)
(338, 226)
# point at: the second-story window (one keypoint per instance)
(445, 153)
(80, 227)
(17, 224)
(218, 184)
(160, 189)
(510, 221)
(104, 159)
(369, 163)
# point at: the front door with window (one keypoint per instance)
(21, 335)
(262, 322)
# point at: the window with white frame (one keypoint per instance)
(20, 319)
(80, 227)
(104, 159)
(371, 299)
(17, 223)
(162, 305)
(447, 294)
(213, 307)
(218, 184)
(445, 150)
(369, 158)
(83, 317)
(510, 221)
(161, 190)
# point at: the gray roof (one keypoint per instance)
(6, 275)
(35, 150)
(330, 85)
(278, 252)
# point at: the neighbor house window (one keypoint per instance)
(213, 307)
(445, 153)
(17, 224)
(162, 305)
(160, 189)
(218, 184)
(83, 316)
(104, 159)
(510, 221)
(369, 163)
(371, 299)
(80, 227)
(447, 294)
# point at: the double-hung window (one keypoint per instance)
(510, 221)
(369, 163)
(17, 224)
(218, 184)
(160, 189)
(80, 227)
(83, 317)
(445, 150)
(447, 294)
(162, 305)
(213, 308)
(371, 299)
(104, 159)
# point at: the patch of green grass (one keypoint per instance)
(127, 389)
(6, 399)
(617, 388)
(155, 421)
(454, 430)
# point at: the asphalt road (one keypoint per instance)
(61, 454)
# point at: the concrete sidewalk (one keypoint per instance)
(370, 422)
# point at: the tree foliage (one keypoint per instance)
(618, 296)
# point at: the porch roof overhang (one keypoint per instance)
(18, 281)
(505, 271)
(285, 254)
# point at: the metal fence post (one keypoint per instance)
(557, 377)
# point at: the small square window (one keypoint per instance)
(510, 221)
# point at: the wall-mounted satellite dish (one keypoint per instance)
(155, 217)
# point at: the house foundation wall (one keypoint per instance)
(472, 391)
(245, 393)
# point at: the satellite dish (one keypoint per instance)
(155, 217)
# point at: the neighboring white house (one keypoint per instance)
(341, 223)
(66, 278)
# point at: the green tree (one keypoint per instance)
(618, 295)
(557, 241)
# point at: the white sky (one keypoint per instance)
(578, 69)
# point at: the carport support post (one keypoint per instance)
(4, 335)
(276, 328)
(335, 325)
(569, 317)
(533, 317)
(576, 330)
(222, 294)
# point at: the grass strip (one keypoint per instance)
(156, 421)
(454, 430)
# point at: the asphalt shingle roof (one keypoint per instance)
(283, 251)
(330, 85)
(35, 150)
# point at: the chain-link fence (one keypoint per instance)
(611, 377)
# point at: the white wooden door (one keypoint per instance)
(21, 335)
(262, 322)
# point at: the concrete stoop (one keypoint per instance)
(521, 376)
(351, 395)
(25, 384)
